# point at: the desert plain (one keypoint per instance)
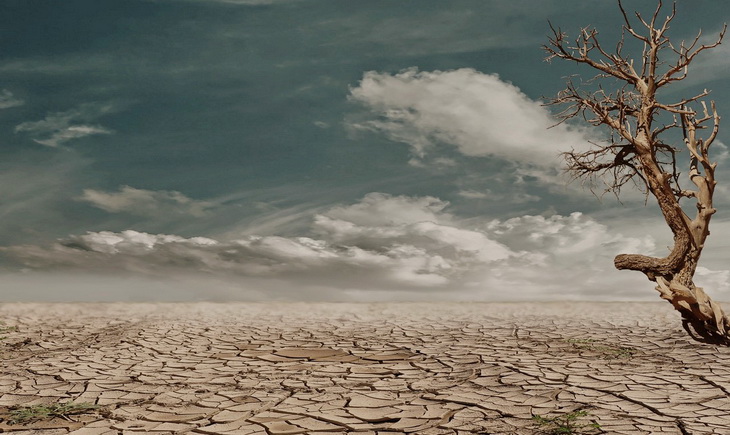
(376, 368)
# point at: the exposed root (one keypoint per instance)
(702, 318)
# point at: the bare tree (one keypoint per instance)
(623, 99)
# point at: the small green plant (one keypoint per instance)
(29, 414)
(609, 351)
(567, 424)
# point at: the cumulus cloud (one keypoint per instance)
(565, 236)
(478, 114)
(141, 202)
(713, 279)
(8, 100)
(379, 208)
(60, 127)
(382, 245)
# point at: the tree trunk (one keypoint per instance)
(702, 318)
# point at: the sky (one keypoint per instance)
(319, 150)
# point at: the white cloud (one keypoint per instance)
(478, 114)
(380, 222)
(8, 100)
(713, 279)
(720, 151)
(60, 127)
(406, 247)
(66, 134)
(383, 241)
(380, 208)
(153, 203)
(566, 235)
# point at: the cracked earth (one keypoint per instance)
(297, 368)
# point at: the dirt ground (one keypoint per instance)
(298, 368)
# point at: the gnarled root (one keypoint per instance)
(702, 318)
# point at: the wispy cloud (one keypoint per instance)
(514, 197)
(60, 127)
(8, 100)
(382, 243)
(478, 114)
(35, 191)
(708, 66)
(152, 203)
(428, 30)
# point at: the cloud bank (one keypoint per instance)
(382, 247)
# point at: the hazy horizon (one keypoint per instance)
(294, 150)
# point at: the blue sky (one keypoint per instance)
(314, 150)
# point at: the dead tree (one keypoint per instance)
(623, 99)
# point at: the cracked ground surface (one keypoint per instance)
(297, 368)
